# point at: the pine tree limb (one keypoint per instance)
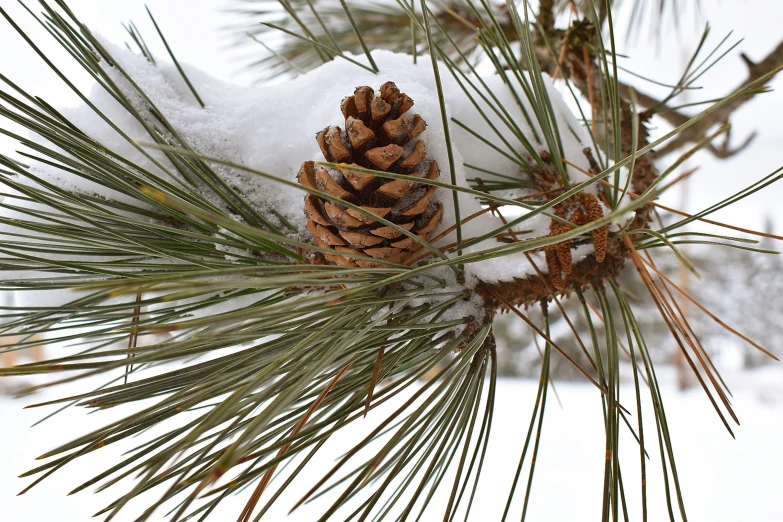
(756, 70)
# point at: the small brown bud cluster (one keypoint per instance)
(581, 210)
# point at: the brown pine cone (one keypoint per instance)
(379, 136)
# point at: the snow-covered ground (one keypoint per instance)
(723, 480)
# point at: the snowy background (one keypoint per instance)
(723, 479)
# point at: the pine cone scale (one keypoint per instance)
(384, 157)
(380, 212)
(312, 211)
(340, 217)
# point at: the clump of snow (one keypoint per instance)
(272, 129)
(470, 308)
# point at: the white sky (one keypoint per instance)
(193, 28)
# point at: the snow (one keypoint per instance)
(272, 128)
(723, 480)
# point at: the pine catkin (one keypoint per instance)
(601, 234)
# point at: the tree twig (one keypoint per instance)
(699, 130)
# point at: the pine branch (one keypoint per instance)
(771, 63)
(275, 349)
(546, 17)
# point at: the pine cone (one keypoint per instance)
(378, 136)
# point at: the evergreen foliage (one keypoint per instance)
(267, 355)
